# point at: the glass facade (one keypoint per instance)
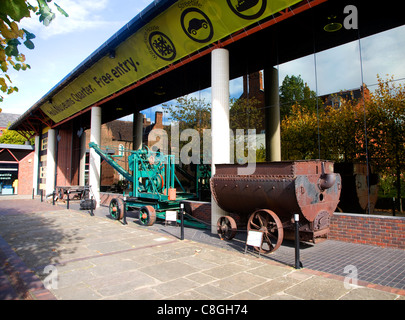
(345, 104)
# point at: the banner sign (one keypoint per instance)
(187, 26)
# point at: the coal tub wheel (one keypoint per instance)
(116, 208)
(147, 215)
(226, 227)
(267, 222)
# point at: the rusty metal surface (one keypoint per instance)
(356, 192)
(226, 227)
(267, 222)
(309, 188)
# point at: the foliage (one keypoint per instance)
(261, 154)
(341, 132)
(299, 135)
(12, 137)
(386, 129)
(386, 125)
(245, 114)
(294, 91)
(193, 113)
(190, 113)
(11, 36)
(387, 185)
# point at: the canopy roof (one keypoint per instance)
(162, 53)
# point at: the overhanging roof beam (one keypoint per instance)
(24, 134)
(289, 12)
(31, 126)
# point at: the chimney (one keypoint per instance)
(159, 119)
(261, 81)
(255, 82)
(245, 86)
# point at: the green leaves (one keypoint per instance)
(28, 34)
(61, 10)
(28, 43)
(11, 36)
(15, 9)
(11, 49)
(45, 13)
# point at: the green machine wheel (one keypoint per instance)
(117, 208)
(147, 215)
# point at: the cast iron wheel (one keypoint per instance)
(267, 222)
(226, 227)
(147, 215)
(116, 208)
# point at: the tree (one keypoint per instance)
(333, 133)
(342, 132)
(245, 114)
(190, 113)
(12, 137)
(193, 113)
(11, 35)
(294, 91)
(299, 134)
(386, 129)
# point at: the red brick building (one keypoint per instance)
(16, 163)
(116, 137)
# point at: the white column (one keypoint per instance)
(219, 120)
(35, 167)
(50, 162)
(82, 166)
(137, 131)
(95, 161)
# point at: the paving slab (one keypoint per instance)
(318, 288)
(362, 293)
(274, 286)
(167, 271)
(239, 282)
(97, 258)
(210, 291)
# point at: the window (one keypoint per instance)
(44, 144)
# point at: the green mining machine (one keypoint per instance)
(151, 178)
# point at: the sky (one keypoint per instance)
(63, 45)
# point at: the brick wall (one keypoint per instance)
(199, 209)
(113, 134)
(382, 231)
(25, 174)
(106, 197)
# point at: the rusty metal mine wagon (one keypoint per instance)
(267, 199)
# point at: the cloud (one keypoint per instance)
(384, 54)
(83, 15)
(340, 68)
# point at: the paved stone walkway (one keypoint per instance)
(82, 257)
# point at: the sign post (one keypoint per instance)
(255, 239)
(298, 264)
